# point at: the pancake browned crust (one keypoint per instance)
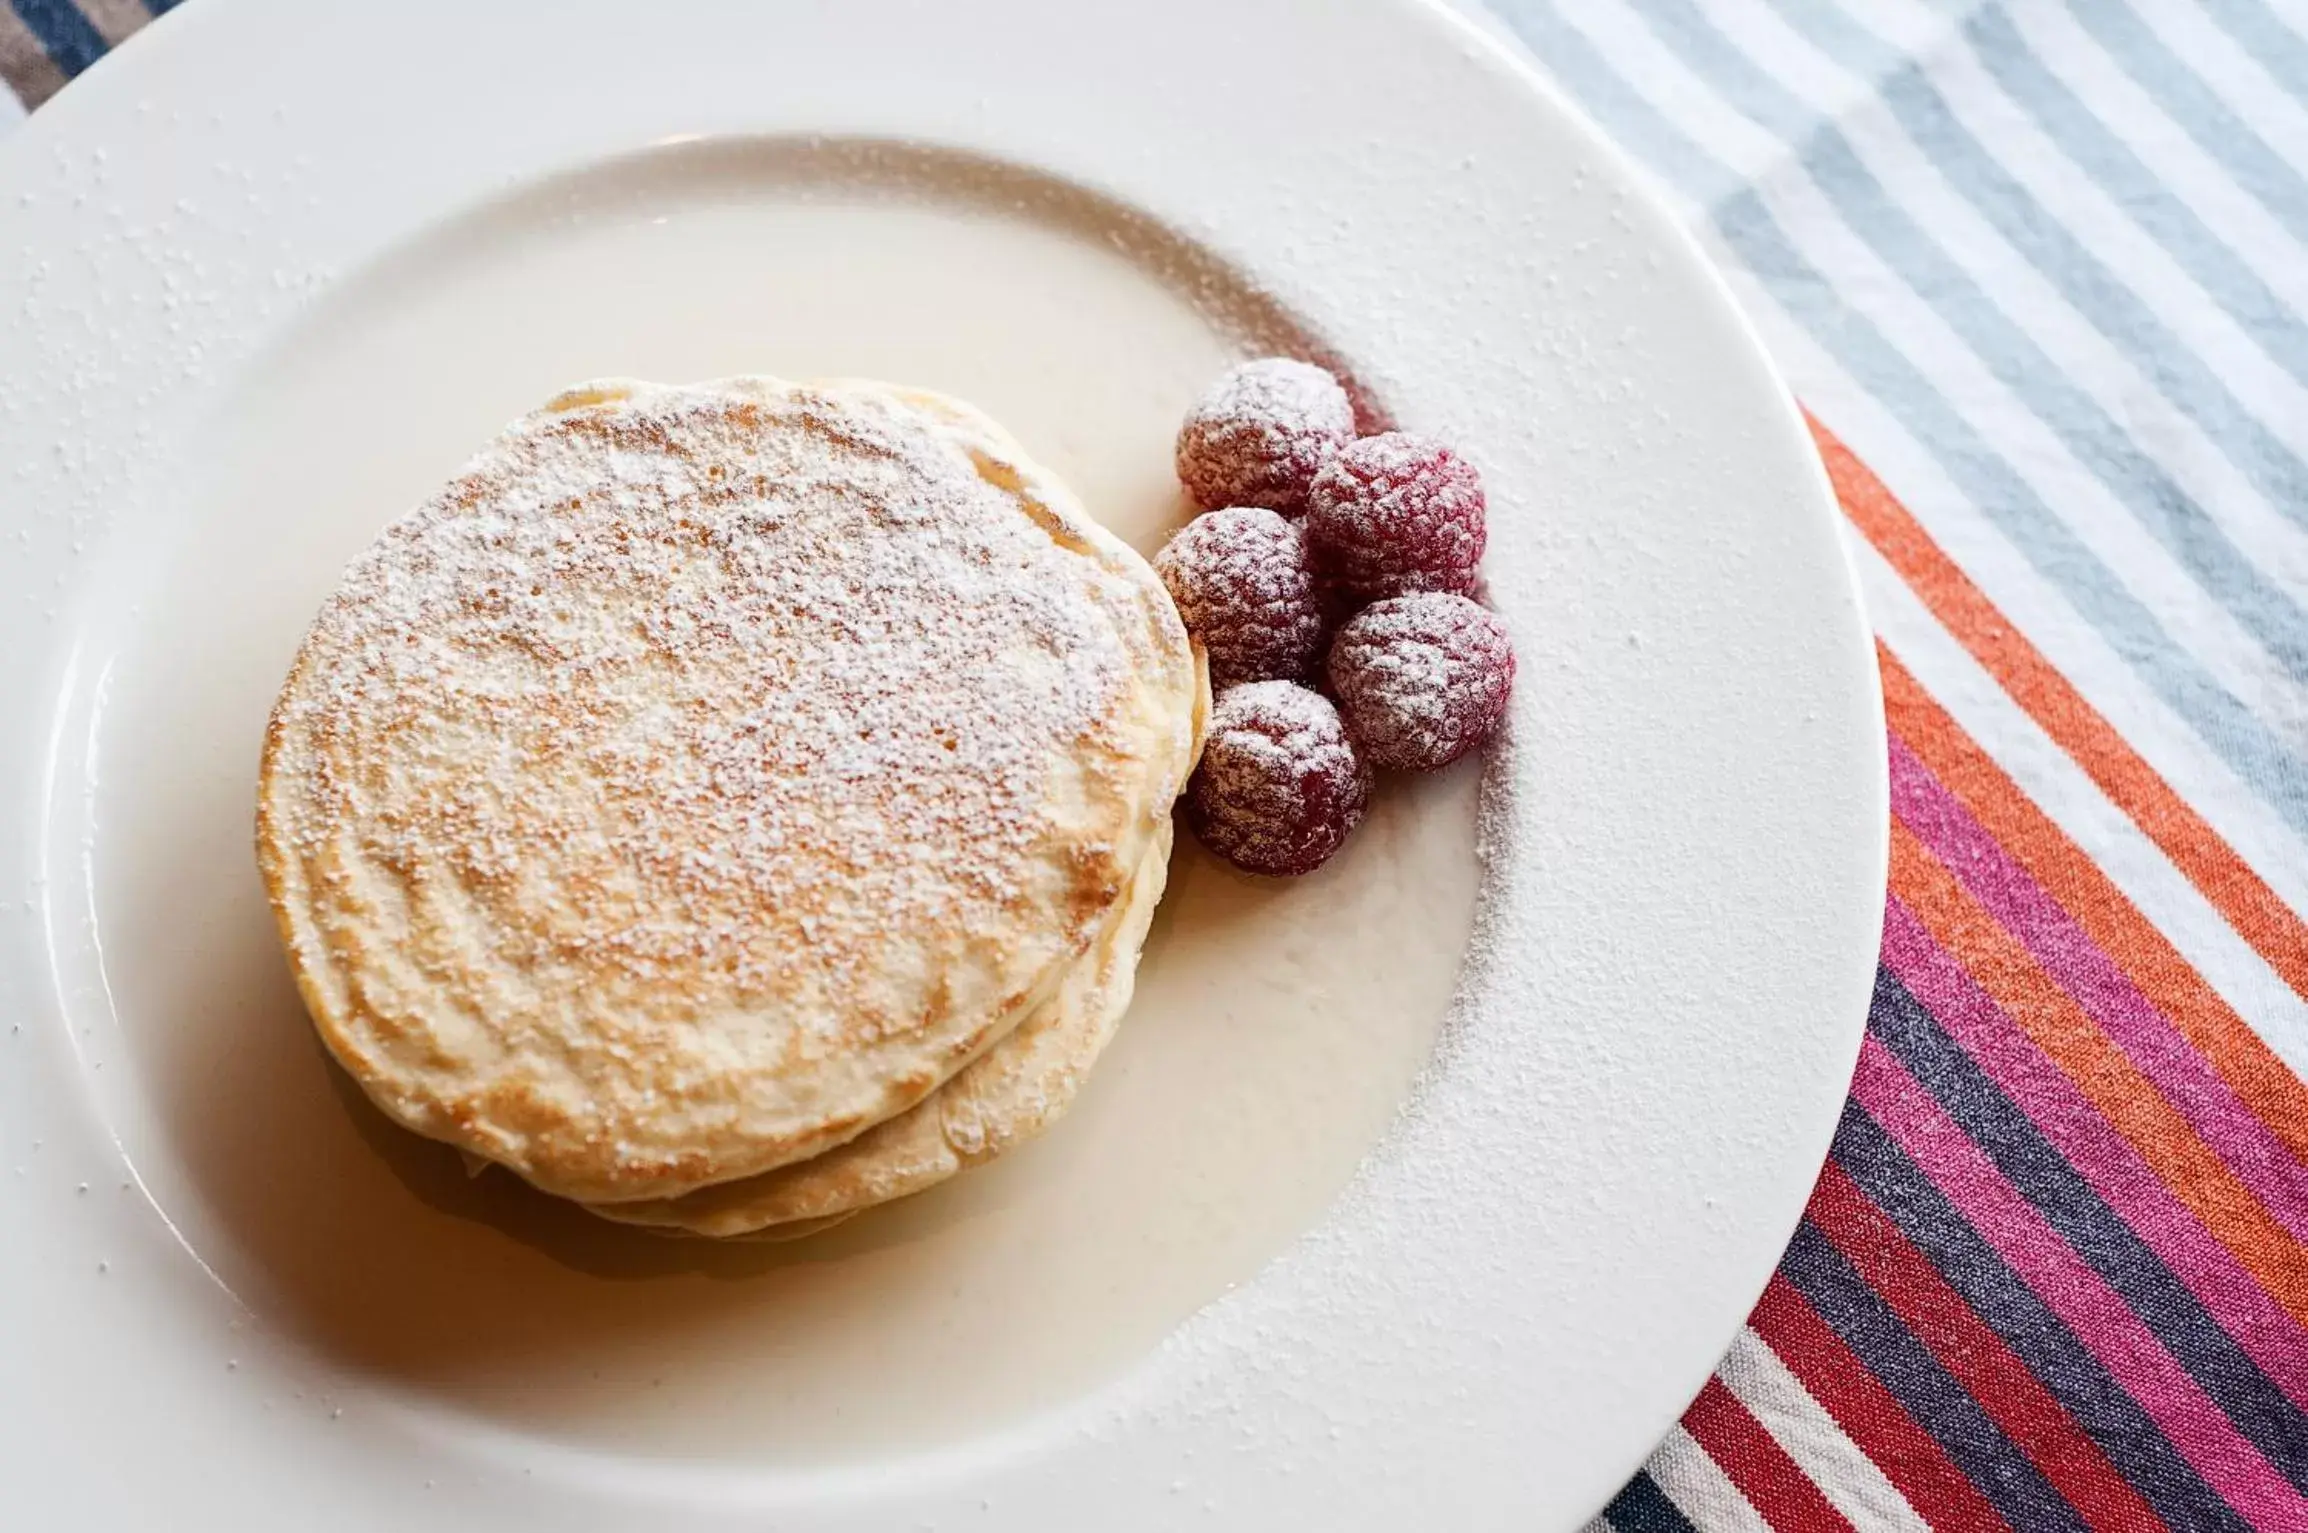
(1010, 1095)
(708, 773)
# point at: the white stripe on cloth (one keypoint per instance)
(1801, 1426)
(11, 110)
(2121, 380)
(24, 65)
(114, 20)
(1912, 26)
(1700, 1489)
(1763, 34)
(2148, 615)
(2178, 162)
(2195, 620)
(1746, 151)
(2113, 689)
(2080, 652)
(2104, 430)
(2067, 192)
(2106, 835)
(2237, 78)
(1911, 140)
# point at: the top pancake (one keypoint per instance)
(708, 773)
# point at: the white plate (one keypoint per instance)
(271, 270)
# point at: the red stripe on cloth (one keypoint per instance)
(1909, 1457)
(2164, 1141)
(1774, 1484)
(2275, 1096)
(2121, 1342)
(2259, 916)
(2206, 1269)
(1970, 1350)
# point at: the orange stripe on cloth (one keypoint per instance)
(2131, 941)
(2162, 1137)
(2259, 916)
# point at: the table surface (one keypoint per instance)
(2038, 269)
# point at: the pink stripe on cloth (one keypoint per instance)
(2268, 1335)
(2115, 1336)
(2249, 1147)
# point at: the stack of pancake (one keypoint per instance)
(730, 806)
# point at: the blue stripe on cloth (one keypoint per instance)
(2258, 755)
(2040, 1339)
(1585, 74)
(64, 33)
(2264, 35)
(1644, 1508)
(2198, 110)
(1935, 1398)
(2237, 1384)
(2101, 443)
(1825, 26)
(2103, 298)
(2137, 190)
(2254, 751)
(2079, 133)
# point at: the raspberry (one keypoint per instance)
(1244, 586)
(1422, 679)
(1260, 434)
(1280, 785)
(1394, 514)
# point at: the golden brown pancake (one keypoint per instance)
(707, 774)
(1011, 1094)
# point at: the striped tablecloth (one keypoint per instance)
(2039, 270)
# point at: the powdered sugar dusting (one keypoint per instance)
(1280, 786)
(1396, 513)
(1261, 433)
(1422, 679)
(796, 664)
(1244, 583)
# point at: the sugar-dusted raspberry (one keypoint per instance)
(1280, 784)
(1261, 433)
(1422, 679)
(1244, 585)
(1394, 514)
